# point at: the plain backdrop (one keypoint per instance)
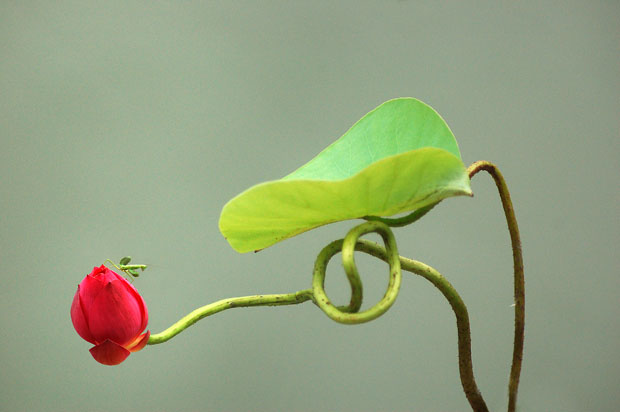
(125, 127)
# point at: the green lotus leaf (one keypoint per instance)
(399, 157)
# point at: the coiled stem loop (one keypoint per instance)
(350, 314)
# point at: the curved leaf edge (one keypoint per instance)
(463, 189)
(339, 141)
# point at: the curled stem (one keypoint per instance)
(466, 369)
(519, 278)
(349, 314)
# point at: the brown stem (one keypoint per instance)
(519, 279)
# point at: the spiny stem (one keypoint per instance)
(220, 305)
(519, 278)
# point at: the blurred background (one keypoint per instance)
(126, 126)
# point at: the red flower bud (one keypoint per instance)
(108, 312)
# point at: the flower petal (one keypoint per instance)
(90, 287)
(140, 301)
(80, 323)
(109, 353)
(143, 309)
(140, 342)
(115, 314)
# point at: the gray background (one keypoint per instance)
(126, 126)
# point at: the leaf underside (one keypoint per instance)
(399, 157)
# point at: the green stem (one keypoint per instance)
(466, 369)
(350, 315)
(220, 305)
(405, 220)
(519, 278)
